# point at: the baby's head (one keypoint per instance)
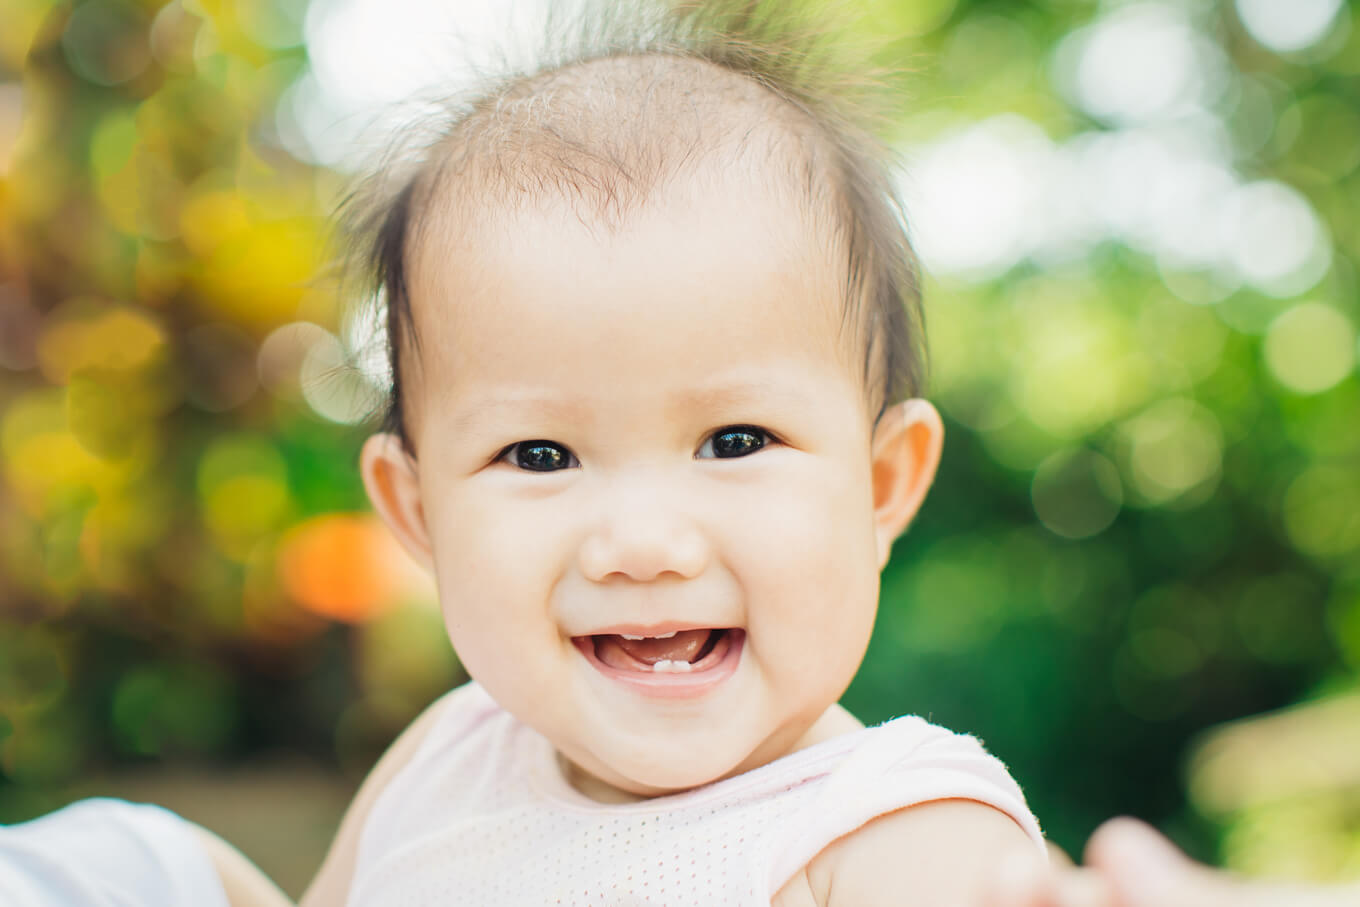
(652, 316)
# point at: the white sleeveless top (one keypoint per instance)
(482, 815)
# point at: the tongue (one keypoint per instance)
(618, 652)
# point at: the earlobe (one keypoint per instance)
(905, 453)
(393, 485)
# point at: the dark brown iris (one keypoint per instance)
(541, 456)
(738, 441)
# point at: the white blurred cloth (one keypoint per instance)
(106, 853)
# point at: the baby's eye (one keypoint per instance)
(734, 441)
(539, 456)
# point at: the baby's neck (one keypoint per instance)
(834, 722)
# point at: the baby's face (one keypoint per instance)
(654, 431)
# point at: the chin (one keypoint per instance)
(671, 772)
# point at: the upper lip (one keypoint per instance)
(658, 629)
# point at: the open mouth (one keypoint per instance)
(679, 651)
(671, 663)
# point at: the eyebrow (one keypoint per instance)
(739, 393)
(718, 397)
(483, 409)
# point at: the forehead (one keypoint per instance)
(712, 280)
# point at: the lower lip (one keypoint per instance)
(678, 684)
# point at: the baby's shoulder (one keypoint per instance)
(934, 853)
(910, 812)
(460, 707)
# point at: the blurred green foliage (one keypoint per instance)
(1148, 517)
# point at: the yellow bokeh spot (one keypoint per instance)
(43, 461)
(259, 278)
(84, 337)
(243, 487)
(1310, 347)
(34, 413)
(23, 20)
(1074, 363)
(48, 463)
(210, 218)
(129, 339)
(245, 506)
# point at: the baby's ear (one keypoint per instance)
(393, 485)
(905, 452)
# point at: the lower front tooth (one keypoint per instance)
(666, 666)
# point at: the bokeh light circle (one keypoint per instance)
(1076, 494)
(1288, 25)
(365, 335)
(279, 362)
(1322, 511)
(1310, 348)
(342, 566)
(1173, 448)
(976, 196)
(1108, 67)
(107, 43)
(1278, 243)
(243, 491)
(333, 387)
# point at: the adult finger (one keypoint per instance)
(1021, 881)
(1024, 883)
(1146, 870)
(1084, 888)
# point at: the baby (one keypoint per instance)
(653, 324)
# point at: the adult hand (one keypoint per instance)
(1130, 865)
(1143, 869)
(1027, 883)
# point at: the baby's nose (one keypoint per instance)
(642, 537)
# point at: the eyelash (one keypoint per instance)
(510, 453)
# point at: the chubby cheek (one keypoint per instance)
(812, 585)
(495, 578)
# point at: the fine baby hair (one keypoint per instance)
(622, 98)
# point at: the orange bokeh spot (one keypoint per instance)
(341, 566)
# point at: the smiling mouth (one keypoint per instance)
(683, 663)
(677, 652)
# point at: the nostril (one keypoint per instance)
(643, 556)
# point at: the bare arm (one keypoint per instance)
(243, 882)
(330, 887)
(939, 853)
